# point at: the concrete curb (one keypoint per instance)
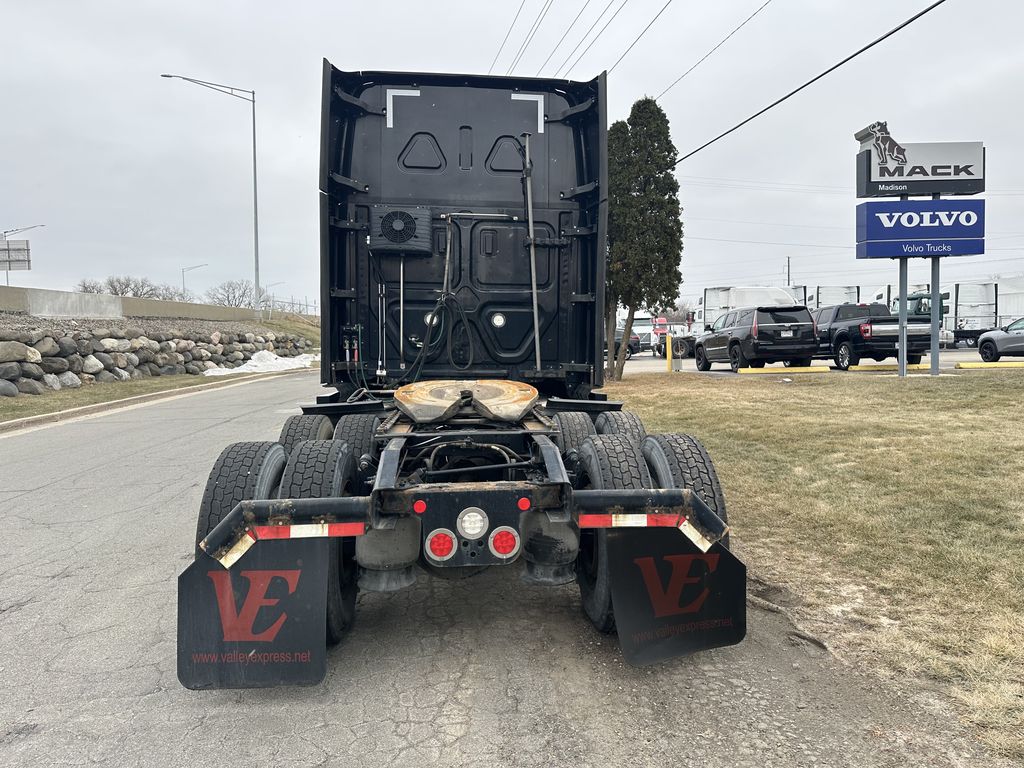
(973, 366)
(787, 371)
(111, 405)
(891, 367)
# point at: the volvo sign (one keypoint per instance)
(920, 228)
(888, 168)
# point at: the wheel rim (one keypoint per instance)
(844, 356)
(987, 352)
(734, 358)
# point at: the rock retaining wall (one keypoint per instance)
(37, 361)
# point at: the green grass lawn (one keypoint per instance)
(284, 323)
(893, 511)
(51, 402)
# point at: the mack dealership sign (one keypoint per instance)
(920, 228)
(888, 168)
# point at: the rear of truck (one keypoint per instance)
(463, 227)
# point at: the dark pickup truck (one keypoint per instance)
(847, 333)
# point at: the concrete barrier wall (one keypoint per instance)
(43, 303)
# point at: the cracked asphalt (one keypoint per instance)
(98, 517)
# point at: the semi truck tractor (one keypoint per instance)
(463, 223)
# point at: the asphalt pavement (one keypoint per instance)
(98, 520)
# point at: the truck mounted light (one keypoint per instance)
(472, 522)
(504, 542)
(419, 506)
(498, 320)
(440, 544)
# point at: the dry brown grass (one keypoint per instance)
(893, 509)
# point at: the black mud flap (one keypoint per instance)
(671, 599)
(260, 623)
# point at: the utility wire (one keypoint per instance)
(562, 38)
(509, 32)
(720, 44)
(529, 36)
(596, 37)
(585, 35)
(813, 80)
(637, 40)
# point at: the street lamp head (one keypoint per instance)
(166, 75)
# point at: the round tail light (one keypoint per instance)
(504, 542)
(440, 544)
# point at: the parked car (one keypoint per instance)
(753, 336)
(848, 332)
(632, 348)
(1008, 340)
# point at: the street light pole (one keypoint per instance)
(251, 98)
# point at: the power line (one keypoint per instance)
(529, 36)
(509, 32)
(596, 37)
(720, 43)
(562, 38)
(772, 183)
(813, 80)
(585, 35)
(613, 66)
(765, 242)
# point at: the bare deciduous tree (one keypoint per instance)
(231, 293)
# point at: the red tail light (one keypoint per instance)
(440, 544)
(753, 328)
(865, 330)
(504, 542)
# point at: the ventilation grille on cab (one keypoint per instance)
(400, 230)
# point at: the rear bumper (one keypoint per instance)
(759, 350)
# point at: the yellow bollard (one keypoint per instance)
(668, 353)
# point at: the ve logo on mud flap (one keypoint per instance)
(666, 600)
(239, 625)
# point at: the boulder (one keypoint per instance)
(136, 373)
(30, 387)
(74, 363)
(153, 368)
(210, 365)
(32, 355)
(35, 335)
(133, 359)
(121, 374)
(174, 333)
(8, 388)
(85, 346)
(161, 359)
(193, 368)
(54, 364)
(215, 337)
(108, 344)
(249, 338)
(181, 346)
(47, 347)
(166, 347)
(31, 371)
(217, 359)
(13, 351)
(51, 382)
(158, 337)
(271, 337)
(91, 365)
(133, 333)
(68, 380)
(120, 359)
(259, 340)
(68, 346)
(105, 377)
(186, 357)
(115, 333)
(248, 346)
(100, 333)
(169, 370)
(105, 360)
(7, 335)
(177, 358)
(145, 355)
(87, 378)
(10, 371)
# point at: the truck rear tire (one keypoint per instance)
(622, 423)
(358, 429)
(680, 461)
(914, 359)
(319, 469)
(242, 471)
(573, 428)
(606, 462)
(845, 356)
(305, 427)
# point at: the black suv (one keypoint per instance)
(752, 336)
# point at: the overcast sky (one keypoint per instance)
(135, 174)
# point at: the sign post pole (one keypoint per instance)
(902, 351)
(936, 316)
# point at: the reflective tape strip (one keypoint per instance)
(631, 521)
(307, 531)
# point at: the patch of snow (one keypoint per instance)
(267, 362)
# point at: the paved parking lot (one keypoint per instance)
(98, 517)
